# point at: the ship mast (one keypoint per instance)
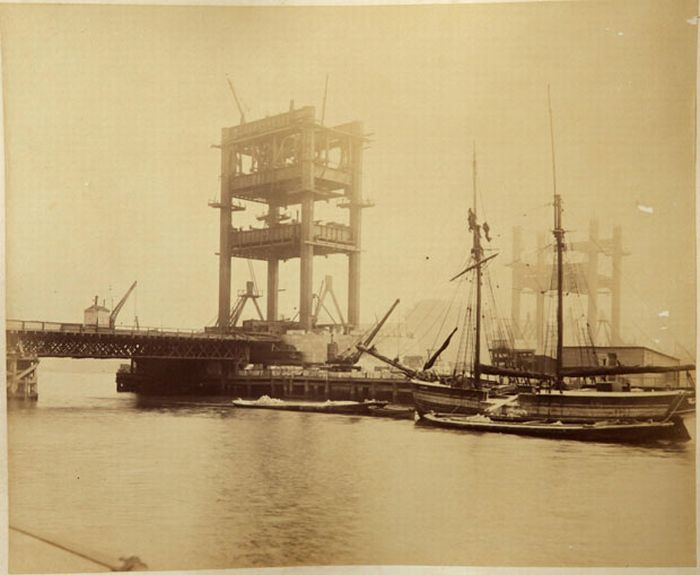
(558, 232)
(559, 237)
(477, 253)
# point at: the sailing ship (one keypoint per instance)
(458, 392)
(548, 397)
(541, 397)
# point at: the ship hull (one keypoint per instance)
(571, 406)
(605, 431)
(436, 397)
(597, 405)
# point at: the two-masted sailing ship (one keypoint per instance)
(512, 398)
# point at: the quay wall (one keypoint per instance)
(159, 377)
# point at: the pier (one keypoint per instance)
(283, 383)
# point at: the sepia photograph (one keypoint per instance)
(403, 286)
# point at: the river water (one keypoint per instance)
(186, 485)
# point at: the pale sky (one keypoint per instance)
(110, 112)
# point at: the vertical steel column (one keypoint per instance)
(272, 269)
(307, 261)
(592, 279)
(225, 236)
(615, 286)
(273, 282)
(355, 209)
(307, 227)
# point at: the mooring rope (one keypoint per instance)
(132, 563)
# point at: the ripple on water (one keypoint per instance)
(196, 484)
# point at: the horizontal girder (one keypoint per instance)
(284, 241)
(96, 343)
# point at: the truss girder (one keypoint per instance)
(124, 346)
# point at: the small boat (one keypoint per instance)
(613, 431)
(344, 407)
(394, 411)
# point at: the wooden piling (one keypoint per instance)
(22, 377)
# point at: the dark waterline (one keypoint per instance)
(188, 484)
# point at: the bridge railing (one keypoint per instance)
(58, 327)
(310, 372)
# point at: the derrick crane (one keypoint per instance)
(250, 293)
(235, 97)
(327, 289)
(352, 355)
(119, 306)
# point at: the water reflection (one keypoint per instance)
(194, 483)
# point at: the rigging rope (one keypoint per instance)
(437, 318)
(128, 563)
(585, 340)
(464, 337)
(438, 336)
(501, 327)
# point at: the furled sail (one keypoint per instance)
(623, 370)
(514, 372)
(443, 347)
(587, 371)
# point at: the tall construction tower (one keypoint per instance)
(535, 278)
(281, 161)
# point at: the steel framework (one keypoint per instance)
(281, 161)
(72, 340)
(536, 278)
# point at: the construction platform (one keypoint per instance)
(206, 378)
